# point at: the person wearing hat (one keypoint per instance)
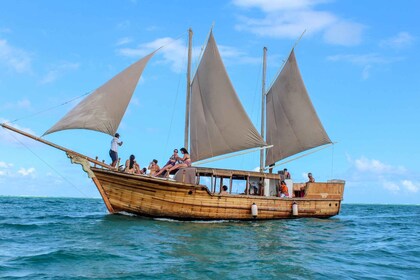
(113, 152)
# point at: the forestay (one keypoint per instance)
(292, 123)
(219, 123)
(103, 109)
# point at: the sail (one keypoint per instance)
(219, 123)
(103, 109)
(292, 123)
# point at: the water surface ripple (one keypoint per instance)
(66, 238)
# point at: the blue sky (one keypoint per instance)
(360, 64)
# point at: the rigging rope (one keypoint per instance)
(49, 109)
(47, 164)
(174, 105)
(301, 156)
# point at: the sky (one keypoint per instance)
(360, 64)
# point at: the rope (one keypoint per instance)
(48, 109)
(47, 164)
(301, 156)
(231, 155)
(174, 107)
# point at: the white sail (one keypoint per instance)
(292, 123)
(219, 123)
(103, 109)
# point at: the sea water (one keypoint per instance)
(67, 238)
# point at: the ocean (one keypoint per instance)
(72, 238)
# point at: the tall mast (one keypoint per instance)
(187, 107)
(263, 108)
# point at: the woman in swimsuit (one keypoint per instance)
(183, 162)
(171, 162)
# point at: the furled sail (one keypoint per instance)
(292, 123)
(219, 123)
(104, 108)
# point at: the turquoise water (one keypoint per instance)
(63, 238)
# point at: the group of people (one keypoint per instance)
(175, 162)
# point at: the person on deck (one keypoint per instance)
(224, 190)
(286, 174)
(131, 166)
(283, 190)
(113, 152)
(153, 167)
(171, 162)
(311, 179)
(261, 188)
(185, 161)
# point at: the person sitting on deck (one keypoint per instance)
(183, 162)
(283, 190)
(286, 174)
(224, 190)
(171, 162)
(311, 179)
(153, 167)
(131, 166)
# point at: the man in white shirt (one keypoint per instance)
(113, 152)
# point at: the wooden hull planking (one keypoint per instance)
(162, 198)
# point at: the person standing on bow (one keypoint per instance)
(113, 152)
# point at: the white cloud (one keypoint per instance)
(8, 136)
(14, 58)
(400, 41)
(26, 172)
(411, 186)
(288, 19)
(270, 5)
(173, 51)
(344, 33)
(5, 164)
(57, 71)
(364, 164)
(124, 41)
(395, 179)
(391, 186)
(366, 61)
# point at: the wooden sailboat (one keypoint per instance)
(216, 124)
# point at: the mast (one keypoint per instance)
(263, 107)
(187, 107)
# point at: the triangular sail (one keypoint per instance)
(219, 123)
(103, 109)
(292, 123)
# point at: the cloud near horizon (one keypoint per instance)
(392, 178)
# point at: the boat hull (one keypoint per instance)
(163, 198)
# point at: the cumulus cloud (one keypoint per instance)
(288, 19)
(5, 164)
(395, 179)
(26, 172)
(411, 186)
(400, 41)
(173, 52)
(14, 58)
(364, 164)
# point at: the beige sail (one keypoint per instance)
(292, 123)
(103, 109)
(219, 123)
